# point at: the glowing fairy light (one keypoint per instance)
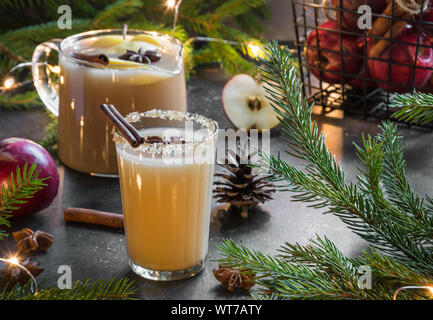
(9, 83)
(428, 288)
(16, 262)
(255, 50)
(174, 5)
(170, 4)
(54, 69)
(13, 260)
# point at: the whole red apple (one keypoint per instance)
(329, 57)
(16, 152)
(427, 18)
(350, 19)
(359, 83)
(402, 75)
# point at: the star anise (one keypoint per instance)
(233, 278)
(14, 274)
(28, 241)
(141, 56)
(164, 140)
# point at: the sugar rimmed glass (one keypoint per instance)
(166, 193)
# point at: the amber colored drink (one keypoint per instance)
(167, 211)
(85, 142)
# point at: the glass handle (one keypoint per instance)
(44, 73)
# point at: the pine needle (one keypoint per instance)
(109, 289)
(380, 207)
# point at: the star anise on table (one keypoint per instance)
(233, 278)
(28, 241)
(141, 56)
(14, 274)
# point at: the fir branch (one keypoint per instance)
(119, 9)
(234, 8)
(22, 101)
(19, 188)
(395, 221)
(291, 277)
(110, 289)
(324, 184)
(23, 41)
(416, 108)
(398, 188)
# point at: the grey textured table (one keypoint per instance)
(97, 253)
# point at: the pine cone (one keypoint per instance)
(240, 186)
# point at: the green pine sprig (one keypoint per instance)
(415, 108)
(379, 206)
(19, 188)
(109, 289)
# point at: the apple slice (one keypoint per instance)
(104, 42)
(146, 38)
(132, 45)
(120, 63)
(245, 104)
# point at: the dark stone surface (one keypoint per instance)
(97, 253)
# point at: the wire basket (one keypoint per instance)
(363, 100)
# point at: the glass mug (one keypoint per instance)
(85, 142)
(166, 193)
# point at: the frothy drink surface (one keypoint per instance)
(85, 142)
(166, 209)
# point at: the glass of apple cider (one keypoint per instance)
(166, 185)
(127, 79)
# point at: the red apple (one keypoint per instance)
(246, 105)
(428, 87)
(358, 83)
(16, 152)
(350, 19)
(329, 57)
(427, 18)
(401, 75)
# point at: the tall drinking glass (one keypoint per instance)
(166, 187)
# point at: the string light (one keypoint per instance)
(16, 262)
(429, 288)
(9, 83)
(13, 260)
(170, 3)
(174, 4)
(255, 50)
(54, 69)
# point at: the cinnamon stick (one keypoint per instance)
(383, 24)
(94, 58)
(129, 126)
(383, 44)
(95, 217)
(125, 129)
